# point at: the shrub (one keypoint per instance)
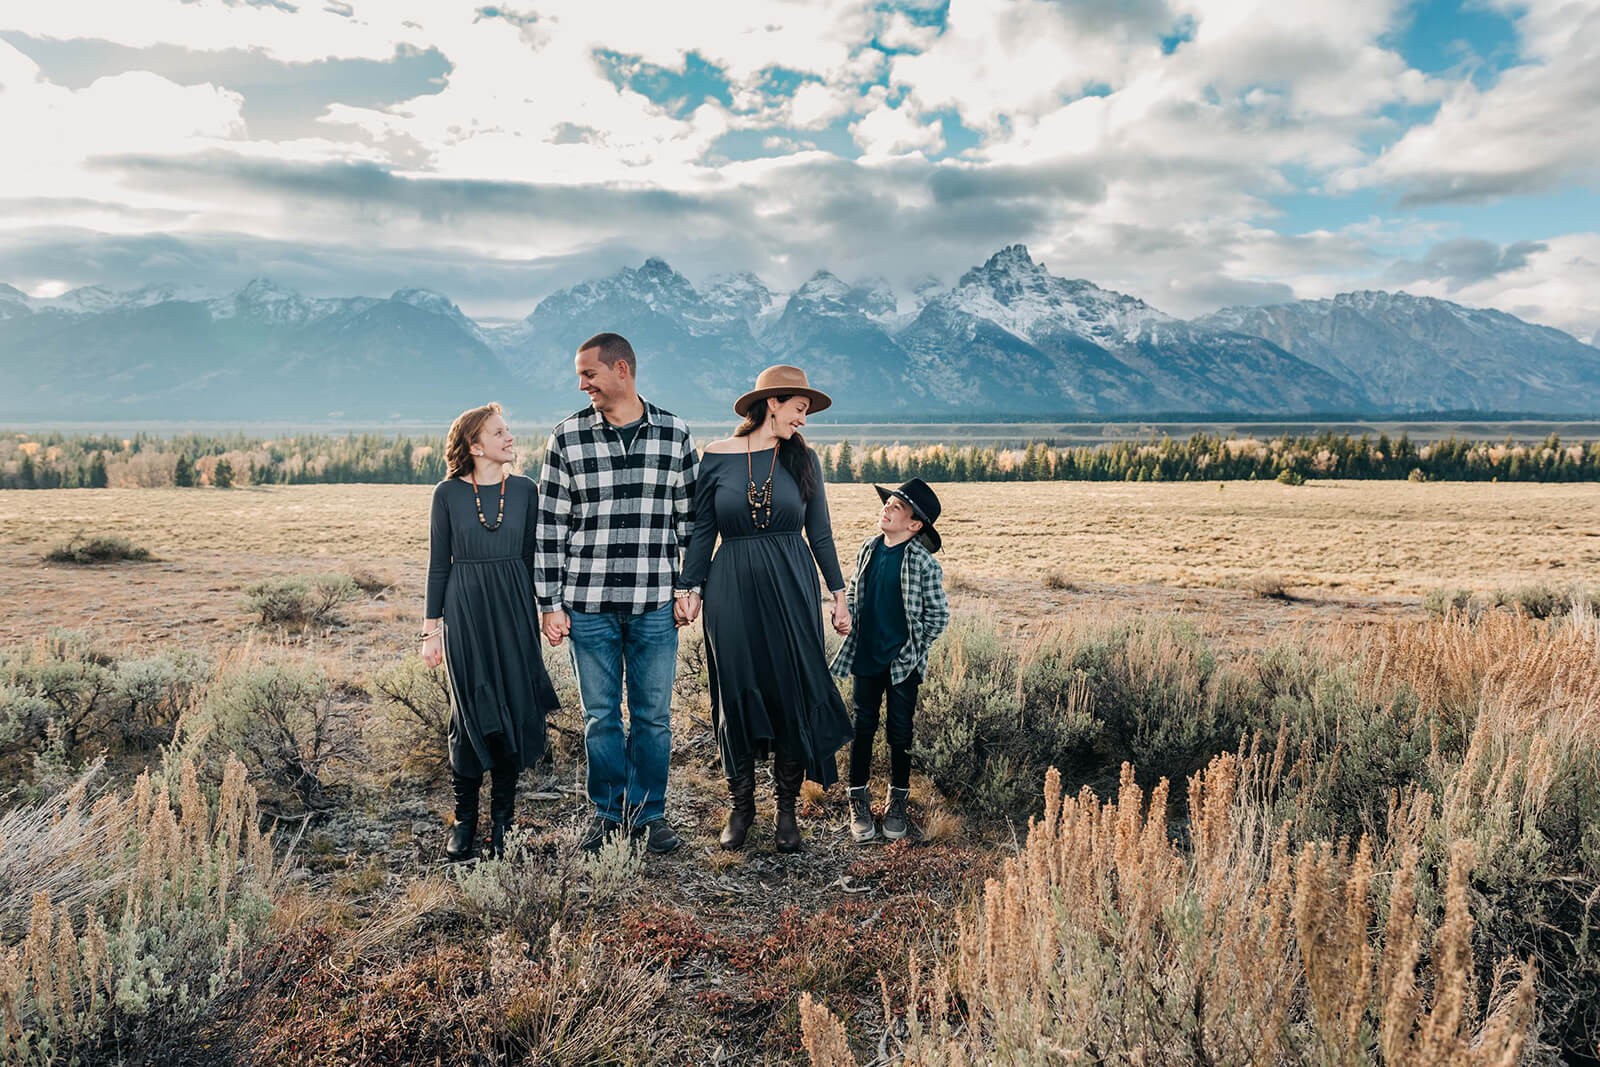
(1290, 476)
(1104, 936)
(991, 718)
(417, 700)
(283, 720)
(1535, 601)
(62, 682)
(371, 582)
(151, 692)
(528, 894)
(1267, 586)
(98, 550)
(300, 601)
(1057, 579)
(1442, 602)
(123, 922)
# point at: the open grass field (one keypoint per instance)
(1095, 624)
(1341, 548)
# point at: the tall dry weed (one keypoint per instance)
(1104, 940)
(140, 910)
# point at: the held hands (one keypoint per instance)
(685, 609)
(556, 625)
(841, 616)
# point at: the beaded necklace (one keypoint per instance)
(759, 497)
(498, 519)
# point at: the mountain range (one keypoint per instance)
(1008, 339)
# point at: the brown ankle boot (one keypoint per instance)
(786, 778)
(742, 809)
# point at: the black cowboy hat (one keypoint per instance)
(924, 505)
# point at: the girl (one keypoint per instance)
(480, 621)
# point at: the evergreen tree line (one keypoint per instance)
(56, 461)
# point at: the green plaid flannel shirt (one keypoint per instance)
(927, 610)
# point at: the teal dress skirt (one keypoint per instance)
(765, 649)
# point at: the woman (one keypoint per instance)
(770, 687)
(481, 622)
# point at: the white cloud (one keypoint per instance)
(1532, 129)
(1151, 172)
(893, 131)
(1558, 286)
(815, 104)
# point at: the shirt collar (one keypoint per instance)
(597, 420)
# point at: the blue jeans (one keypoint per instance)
(627, 770)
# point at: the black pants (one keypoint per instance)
(871, 693)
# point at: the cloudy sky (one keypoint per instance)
(1194, 153)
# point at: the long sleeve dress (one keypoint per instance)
(765, 652)
(480, 582)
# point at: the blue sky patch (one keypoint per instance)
(1444, 35)
(679, 92)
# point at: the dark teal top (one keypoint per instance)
(880, 611)
(629, 432)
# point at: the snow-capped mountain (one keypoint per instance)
(262, 352)
(695, 354)
(837, 332)
(1008, 338)
(1411, 353)
(1024, 299)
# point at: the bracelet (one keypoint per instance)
(425, 634)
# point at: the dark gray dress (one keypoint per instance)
(480, 581)
(770, 686)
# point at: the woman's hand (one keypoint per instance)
(841, 615)
(433, 649)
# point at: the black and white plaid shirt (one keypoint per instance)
(612, 522)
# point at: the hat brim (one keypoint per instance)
(820, 401)
(927, 535)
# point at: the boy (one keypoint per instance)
(897, 609)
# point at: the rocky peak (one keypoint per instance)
(427, 300)
(741, 295)
(823, 287)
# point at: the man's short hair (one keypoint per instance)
(614, 348)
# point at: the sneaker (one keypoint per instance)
(659, 836)
(597, 833)
(862, 826)
(895, 823)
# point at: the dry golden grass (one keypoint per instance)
(1368, 537)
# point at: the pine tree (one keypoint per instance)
(222, 476)
(97, 472)
(26, 473)
(844, 466)
(183, 473)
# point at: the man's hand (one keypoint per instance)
(685, 609)
(556, 625)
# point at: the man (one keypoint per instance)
(614, 515)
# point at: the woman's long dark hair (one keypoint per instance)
(794, 452)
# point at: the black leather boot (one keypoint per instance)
(502, 807)
(786, 779)
(742, 809)
(463, 835)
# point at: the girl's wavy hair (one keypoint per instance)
(794, 452)
(463, 434)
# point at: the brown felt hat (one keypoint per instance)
(782, 380)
